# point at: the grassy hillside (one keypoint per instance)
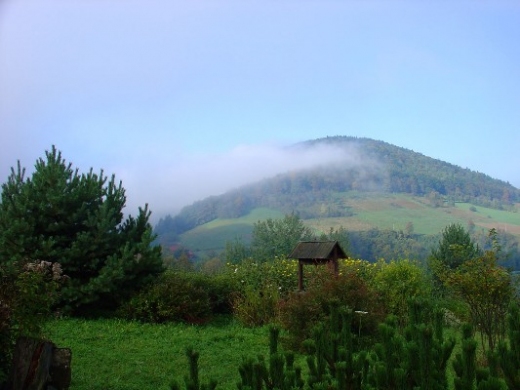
(382, 211)
(376, 186)
(212, 236)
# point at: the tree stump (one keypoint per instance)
(40, 365)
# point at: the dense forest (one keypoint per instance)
(377, 167)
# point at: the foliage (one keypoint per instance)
(259, 286)
(415, 358)
(278, 237)
(301, 311)
(487, 289)
(180, 296)
(333, 359)
(454, 248)
(464, 363)
(256, 307)
(192, 382)
(236, 251)
(26, 300)
(468, 375)
(281, 273)
(76, 220)
(376, 243)
(508, 353)
(280, 373)
(398, 282)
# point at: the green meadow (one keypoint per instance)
(112, 354)
(382, 211)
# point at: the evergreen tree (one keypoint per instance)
(279, 374)
(415, 358)
(455, 247)
(60, 215)
(192, 381)
(508, 354)
(333, 360)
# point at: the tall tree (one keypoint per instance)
(60, 215)
(454, 248)
(277, 237)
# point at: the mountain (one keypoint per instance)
(367, 174)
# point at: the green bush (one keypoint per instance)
(180, 296)
(27, 296)
(256, 307)
(399, 281)
(301, 311)
(281, 273)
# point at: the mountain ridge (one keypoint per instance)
(368, 166)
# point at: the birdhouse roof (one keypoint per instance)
(318, 250)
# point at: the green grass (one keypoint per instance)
(371, 210)
(501, 216)
(201, 239)
(213, 235)
(255, 215)
(112, 354)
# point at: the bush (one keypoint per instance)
(398, 282)
(27, 296)
(256, 307)
(180, 296)
(301, 311)
(281, 274)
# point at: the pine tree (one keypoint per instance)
(280, 373)
(508, 354)
(464, 363)
(76, 220)
(192, 381)
(417, 357)
(333, 361)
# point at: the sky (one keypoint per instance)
(181, 100)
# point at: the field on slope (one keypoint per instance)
(382, 211)
(212, 236)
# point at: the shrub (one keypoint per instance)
(398, 282)
(301, 311)
(281, 274)
(180, 296)
(256, 307)
(27, 296)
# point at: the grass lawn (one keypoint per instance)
(115, 354)
(112, 354)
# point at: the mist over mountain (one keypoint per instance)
(323, 167)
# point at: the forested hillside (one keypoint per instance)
(369, 166)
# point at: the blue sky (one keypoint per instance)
(186, 99)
